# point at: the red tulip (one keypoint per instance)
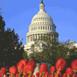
(60, 64)
(20, 67)
(74, 65)
(17, 75)
(37, 74)
(52, 69)
(3, 70)
(32, 63)
(50, 75)
(29, 67)
(69, 71)
(23, 61)
(12, 70)
(1, 74)
(21, 64)
(43, 68)
(64, 75)
(46, 74)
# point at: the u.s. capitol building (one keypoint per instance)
(42, 31)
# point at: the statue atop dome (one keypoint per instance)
(42, 6)
(42, 2)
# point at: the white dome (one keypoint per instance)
(41, 15)
(41, 22)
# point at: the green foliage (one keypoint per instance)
(2, 24)
(11, 49)
(52, 54)
(25, 55)
(72, 55)
(44, 56)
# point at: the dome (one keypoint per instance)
(41, 15)
(41, 22)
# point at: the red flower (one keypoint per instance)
(68, 71)
(43, 68)
(32, 63)
(46, 74)
(22, 61)
(64, 75)
(29, 67)
(60, 64)
(3, 70)
(37, 74)
(16, 75)
(13, 70)
(1, 74)
(52, 69)
(21, 64)
(74, 65)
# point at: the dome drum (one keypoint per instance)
(42, 36)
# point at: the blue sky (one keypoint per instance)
(18, 14)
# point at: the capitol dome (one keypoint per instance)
(41, 21)
(41, 26)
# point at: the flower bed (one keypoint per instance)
(26, 68)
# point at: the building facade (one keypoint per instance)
(41, 29)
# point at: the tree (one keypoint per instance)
(11, 49)
(2, 24)
(50, 55)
